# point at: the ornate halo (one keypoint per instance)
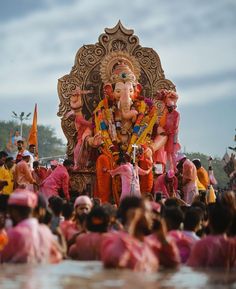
(114, 58)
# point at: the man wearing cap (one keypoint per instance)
(58, 180)
(23, 176)
(28, 241)
(167, 184)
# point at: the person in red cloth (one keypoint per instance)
(216, 249)
(58, 180)
(88, 245)
(167, 184)
(28, 241)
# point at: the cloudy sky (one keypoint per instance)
(195, 39)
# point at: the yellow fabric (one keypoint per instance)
(200, 185)
(7, 175)
(203, 177)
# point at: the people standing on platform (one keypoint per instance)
(202, 174)
(58, 180)
(129, 177)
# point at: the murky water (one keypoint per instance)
(79, 275)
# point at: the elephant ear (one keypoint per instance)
(108, 90)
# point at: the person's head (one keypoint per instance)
(169, 176)
(173, 217)
(26, 156)
(9, 163)
(220, 218)
(32, 148)
(53, 164)
(192, 219)
(41, 209)
(56, 204)
(3, 156)
(197, 163)
(68, 164)
(83, 205)
(20, 144)
(67, 211)
(21, 204)
(180, 159)
(98, 220)
(35, 165)
(130, 207)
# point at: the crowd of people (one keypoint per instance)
(182, 222)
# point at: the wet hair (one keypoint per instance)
(67, 210)
(68, 163)
(173, 217)
(98, 220)
(56, 204)
(220, 218)
(126, 204)
(192, 218)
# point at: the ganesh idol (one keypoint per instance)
(124, 119)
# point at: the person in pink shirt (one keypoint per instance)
(88, 245)
(58, 180)
(128, 248)
(167, 184)
(23, 175)
(28, 241)
(216, 249)
(129, 177)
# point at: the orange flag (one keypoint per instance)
(33, 134)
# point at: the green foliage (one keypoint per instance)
(48, 143)
(219, 172)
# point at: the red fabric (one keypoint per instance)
(120, 250)
(30, 242)
(87, 247)
(214, 251)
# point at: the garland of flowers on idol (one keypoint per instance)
(143, 125)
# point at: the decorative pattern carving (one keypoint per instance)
(86, 74)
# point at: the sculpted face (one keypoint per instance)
(123, 89)
(76, 101)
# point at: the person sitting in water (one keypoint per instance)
(28, 241)
(88, 245)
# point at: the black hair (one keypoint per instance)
(68, 163)
(3, 154)
(126, 204)
(98, 220)
(220, 218)
(67, 210)
(35, 164)
(174, 217)
(192, 218)
(56, 204)
(197, 163)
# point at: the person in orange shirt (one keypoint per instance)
(202, 173)
(23, 176)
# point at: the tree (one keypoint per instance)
(48, 143)
(219, 172)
